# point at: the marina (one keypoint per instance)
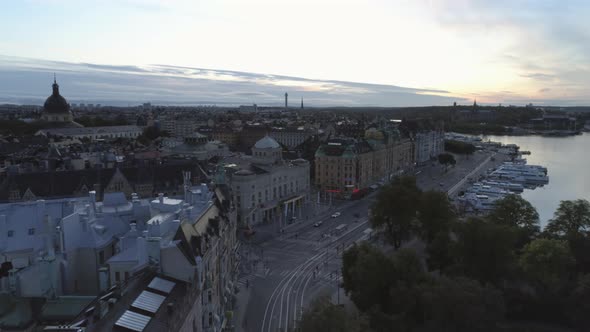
(512, 176)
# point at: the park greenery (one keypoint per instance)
(488, 273)
(446, 159)
(459, 147)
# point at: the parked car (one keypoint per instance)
(317, 224)
(336, 215)
(356, 215)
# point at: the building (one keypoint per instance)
(164, 264)
(94, 133)
(227, 135)
(291, 137)
(555, 122)
(57, 110)
(198, 147)
(345, 166)
(428, 137)
(428, 145)
(179, 127)
(267, 188)
(146, 181)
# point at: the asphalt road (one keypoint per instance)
(301, 263)
(288, 270)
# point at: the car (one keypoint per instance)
(356, 215)
(336, 215)
(317, 224)
(442, 184)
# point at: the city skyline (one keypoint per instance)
(509, 52)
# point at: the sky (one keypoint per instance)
(344, 52)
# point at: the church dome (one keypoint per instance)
(56, 104)
(267, 142)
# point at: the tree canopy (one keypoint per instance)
(324, 316)
(435, 214)
(446, 159)
(459, 147)
(395, 209)
(547, 261)
(484, 251)
(571, 217)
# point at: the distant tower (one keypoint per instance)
(301, 103)
(286, 100)
(474, 103)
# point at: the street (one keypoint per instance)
(285, 271)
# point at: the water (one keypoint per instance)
(567, 160)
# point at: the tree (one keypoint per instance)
(384, 287)
(459, 147)
(579, 304)
(571, 217)
(547, 262)
(326, 316)
(395, 209)
(484, 251)
(361, 282)
(461, 304)
(435, 214)
(439, 252)
(515, 211)
(446, 159)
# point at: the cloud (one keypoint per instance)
(28, 80)
(539, 76)
(544, 90)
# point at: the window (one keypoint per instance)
(126, 276)
(31, 231)
(10, 233)
(117, 276)
(210, 319)
(209, 296)
(101, 257)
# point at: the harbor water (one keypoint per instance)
(568, 162)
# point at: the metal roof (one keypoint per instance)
(161, 285)
(148, 301)
(133, 321)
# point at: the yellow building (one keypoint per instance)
(346, 165)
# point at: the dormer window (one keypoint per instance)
(31, 231)
(10, 233)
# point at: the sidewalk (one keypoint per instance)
(242, 301)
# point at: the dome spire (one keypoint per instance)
(55, 86)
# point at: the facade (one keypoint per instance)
(226, 135)
(179, 127)
(346, 165)
(196, 146)
(94, 133)
(267, 188)
(428, 145)
(291, 137)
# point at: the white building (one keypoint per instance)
(291, 137)
(428, 145)
(94, 132)
(267, 188)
